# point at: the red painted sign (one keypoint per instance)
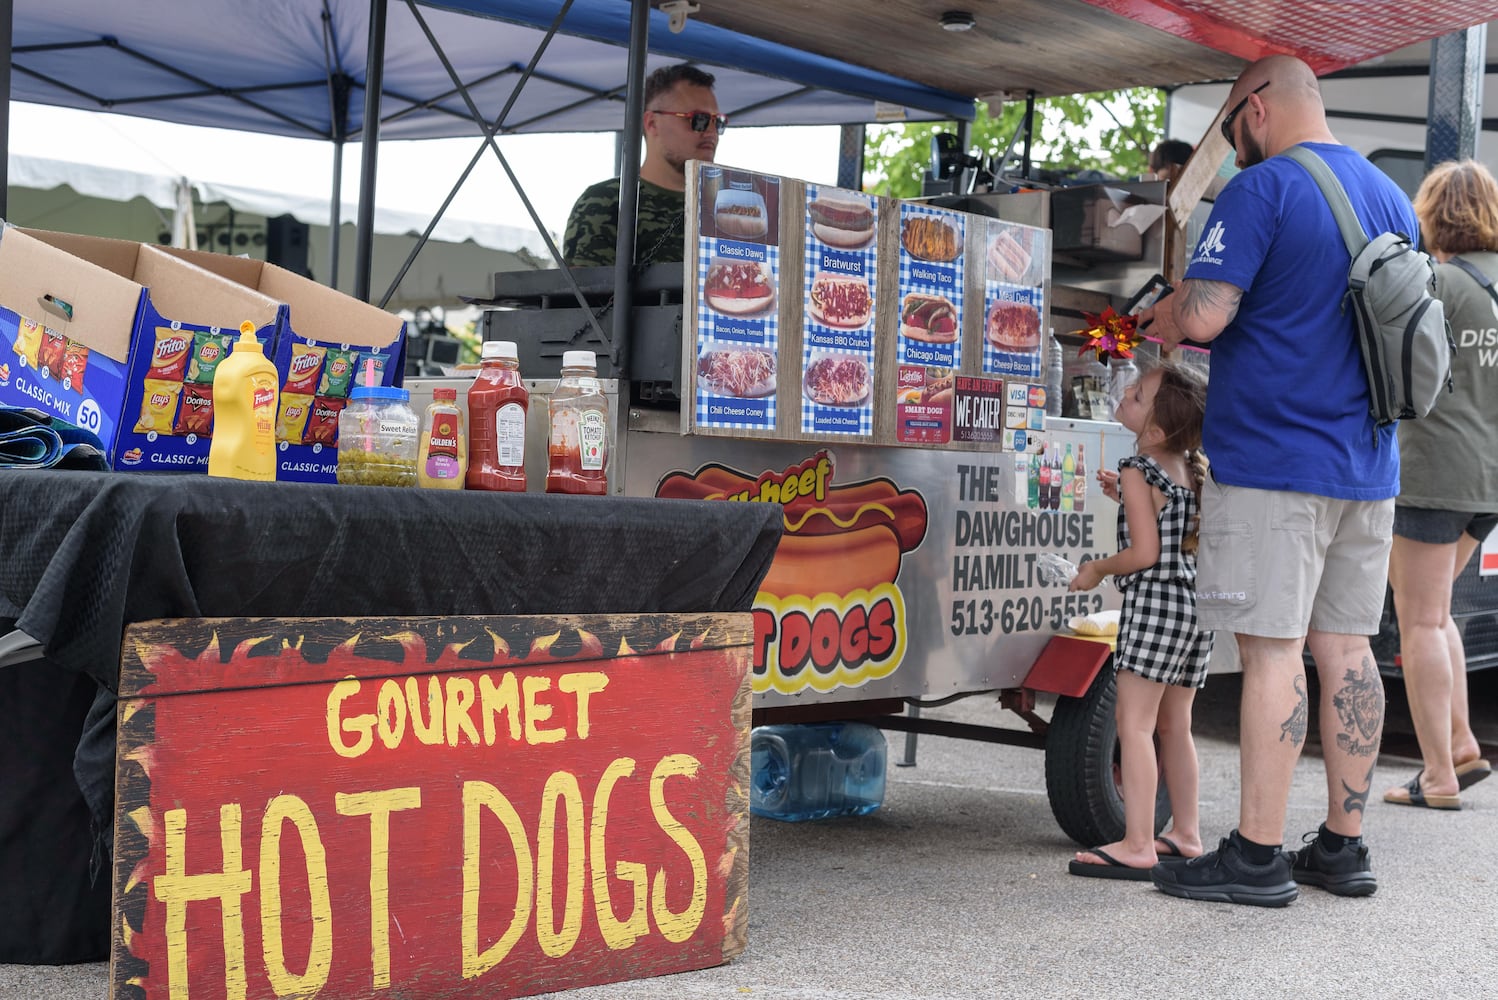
(497, 811)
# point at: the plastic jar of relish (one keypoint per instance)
(378, 438)
(578, 445)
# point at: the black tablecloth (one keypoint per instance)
(84, 554)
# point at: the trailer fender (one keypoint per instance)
(1068, 665)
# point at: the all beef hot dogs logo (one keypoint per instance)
(829, 613)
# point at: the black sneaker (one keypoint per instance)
(1225, 876)
(1344, 872)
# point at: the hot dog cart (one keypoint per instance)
(877, 367)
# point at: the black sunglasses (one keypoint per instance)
(698, 120)
(1231, 116)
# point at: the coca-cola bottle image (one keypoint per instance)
(1045, 478)
(1055, 497)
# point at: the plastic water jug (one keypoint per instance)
(800, 772)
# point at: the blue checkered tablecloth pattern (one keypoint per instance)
(711, 323)
(816, 418)
(1008, 364)
(910, 281)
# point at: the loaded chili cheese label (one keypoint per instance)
(830, 612)
(837, 361)
(738, 299)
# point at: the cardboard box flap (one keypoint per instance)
(38, 275)
(326, 314)
(182, 291)
(317, 311)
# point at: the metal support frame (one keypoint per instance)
(1455, 108)
(7, 16)
(340, 88)
(629, 184)
(369, 160)
(850, 156)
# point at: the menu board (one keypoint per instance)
(837, 357)
(1014, 262)
(738, 272)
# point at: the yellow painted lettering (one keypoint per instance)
(557, 942)
(583, 684)
(390, 710)
(494, 699)
(478, 795)
(320, 949)
(536, 713)
(175, 888)
(428, 730)
(808, 482)
(378, 806)
(362, 725)
(617, 934)
(677, 927)
(459, 701)
(824, 473)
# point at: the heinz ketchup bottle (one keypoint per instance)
(497, 405)
(578, 447)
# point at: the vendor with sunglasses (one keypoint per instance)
(681, 123)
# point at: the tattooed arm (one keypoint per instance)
(1199, 310)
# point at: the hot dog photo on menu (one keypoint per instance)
(838, 339)
(738, 303)
(1014, 303)
(931, 286)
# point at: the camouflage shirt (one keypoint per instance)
(593, 227)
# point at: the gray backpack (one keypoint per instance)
(1402, 329)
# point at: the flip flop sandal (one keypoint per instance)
(1112, 868)
(1471, 772)
(1172, 849)
(1411, 795)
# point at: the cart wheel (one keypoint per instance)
(1082, 767)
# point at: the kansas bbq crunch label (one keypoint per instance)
(423, 807)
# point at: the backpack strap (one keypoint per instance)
(1476, 275)
(1335, 194)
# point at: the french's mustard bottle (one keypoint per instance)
(244, 412)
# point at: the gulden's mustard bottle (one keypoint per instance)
(244, 412)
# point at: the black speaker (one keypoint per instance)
(286, 244)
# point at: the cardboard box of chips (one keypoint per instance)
(329, 341)
(121, 339)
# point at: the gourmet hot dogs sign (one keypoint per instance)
(435, 808)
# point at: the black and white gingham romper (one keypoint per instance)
(1158, 638)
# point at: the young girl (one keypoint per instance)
(1161, 655)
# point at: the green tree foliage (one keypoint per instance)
(1111, 131)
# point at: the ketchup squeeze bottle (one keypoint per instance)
(497, 405)
(578, 445)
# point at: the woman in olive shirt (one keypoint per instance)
(1448, 500)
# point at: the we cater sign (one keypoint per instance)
(444, 808)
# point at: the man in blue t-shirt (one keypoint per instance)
(1298, 511)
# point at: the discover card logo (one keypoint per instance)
(1210, 248)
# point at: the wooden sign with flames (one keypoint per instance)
(441, 808)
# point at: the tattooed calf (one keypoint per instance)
(1360, 709)
(1295, 726)
(1356, 800)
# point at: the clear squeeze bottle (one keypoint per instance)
(443, 458)
(799, 772)
(497, 405)
(245, 399)
(578, 445)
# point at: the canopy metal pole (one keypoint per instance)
(629, 184)
(1454, 116)
(850, 157)
(373, 82)
(335, 214)
(1029, 133)
(7, 14)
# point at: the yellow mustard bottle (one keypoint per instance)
(244, 412)
(443, 460)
